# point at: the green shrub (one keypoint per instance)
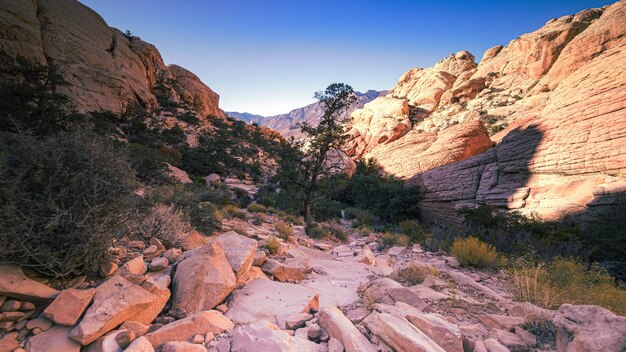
(62, 200)
(314, 230)
(266, 201)
(336, 231)
(284, 230)
(257, 208)
(566, 281)
(364, 230)
(414, 230)
(473, 252)
(296, 220)
(327, 209)
(393, 239)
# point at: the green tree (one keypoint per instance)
(317, 156)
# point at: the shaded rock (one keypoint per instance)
(240, 251)
(172, 254)
(399, 333)
(203, 280)
(55, 339)
(265, 336)
(387, 291)
(69, 306)
(8, 342)
(158, 264)
(148, 315)
(136, 266)
(114, 302)
(199, 324)
(107, 269)
(492, 345)
(135, 327)
(259, 258)
(252, 274)
(594, 328)
(285, 271)
(335, 323)
(366, 256)
(113, 341)
(176, 174)
(503, 322)
(13, 283)
(270, 300)
(293, 322)
(335, 345)
(510, 340)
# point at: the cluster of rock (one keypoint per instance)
(105, 68)
(557, 97)
(230, 293)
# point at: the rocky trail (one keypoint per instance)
(228, 293)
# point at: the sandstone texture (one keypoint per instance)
(105, 69)
(552, 101)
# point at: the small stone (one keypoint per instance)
(136, 245)
(10, 306)
(209, 337)
(11, 316)
(334, 345)
(197, 339)
(26, 306)
(222, 308)
(136, 266)
(453, 262)
(295, 321)
(40, 322)
(172, 254)
(315, 331)
(259, 258)
(158, 264)
(150, 250)
(396, 251)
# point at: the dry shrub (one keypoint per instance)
(336, 231)
(394, 239)
(257, 208)
(166, 223)
(296, 220)
(240, 230)
(413, 274)
(561, 281)
(273, 245)
(284, 230)
(473, 252)
(232, 211)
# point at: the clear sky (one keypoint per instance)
(269, 56)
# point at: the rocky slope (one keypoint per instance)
(105, 69)
(287, 124)
(231, 293)
(551, 101)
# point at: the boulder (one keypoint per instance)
(399, 333)
(366, 256)
(55, 339)
(503, 322)
(240, 251)
(212, 179)
(201, 323)
(140, 344)
(69, 306)
(259, 258)
(8, 342)
(135, 266)
(335, 323)
(14, 284)
(161, 297)
(294, 271)
(270, 300)
(295, 321)
(389, 292)
(203, 280)
(114, 302)
(113, 341)
(158, 264)
(266, 336)
(176, 174)
(252, 274)
(182, 346)
(594, 328)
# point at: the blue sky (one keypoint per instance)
(269, 56)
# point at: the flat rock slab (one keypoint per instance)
(269, 300)
(265, 336)
(13, 283)
(338, 281)
(210, 321)
(55, 339)
(69, 305)
(341, 328)
(399, 333)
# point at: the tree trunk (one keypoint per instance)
(307, 207)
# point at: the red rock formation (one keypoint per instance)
(558, 92)
(105, 69)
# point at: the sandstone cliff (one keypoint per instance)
(552, 100)
(105, 69)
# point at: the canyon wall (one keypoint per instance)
(105, 69)
(552, 102)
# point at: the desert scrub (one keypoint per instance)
(412, 274)
(336, 231)
(414, 230)
(240, 230)
(62, 201)
(166, 223)
(561, 281)
(393, 239)
(232, 211)
(296, 220)
(284, 230)
(257, 208)
(473, 252)
(258, 219)
(314, 230)
(364, 230)
(273, 245)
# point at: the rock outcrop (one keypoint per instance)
(105, 69)
(553, 102)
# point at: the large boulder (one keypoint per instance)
(201, 323)
(338, 326)
(594, 329)
(399, 333)
(13, 283)
(266, 336)
(203, 280)
(114, 302)
(239, 250)
(69, 306)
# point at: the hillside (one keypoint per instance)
(287, 124)
(551, 102)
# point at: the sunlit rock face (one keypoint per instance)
(552, 104)
(105, 69)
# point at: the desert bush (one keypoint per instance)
(273, 245)
(414, 230)
(258, 219)
(473, 252)
(412, 274)
(327, 209)
(566, 281)
(364, 230)
(240, 230)
(166, 223)
(266, 201)
(361, 217)
(232, 211)
(296, 220)
(314, 230)
(389, 239)
(257, 208)
(284, 230)
(336, 231)
(62, 200)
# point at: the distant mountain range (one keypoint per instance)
(287, 124)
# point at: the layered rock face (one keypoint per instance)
(553, 102)
(105, 69)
